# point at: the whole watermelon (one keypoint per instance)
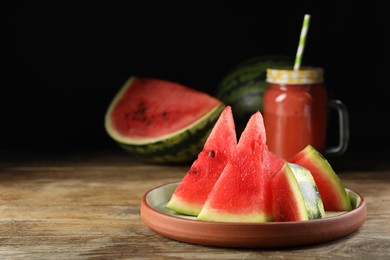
(243, 87)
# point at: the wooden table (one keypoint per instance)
(86, 206)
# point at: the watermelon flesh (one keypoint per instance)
(295, 195)
(276, 163)
(190, 196)
(242, 192)
(148, 108)
(333, 194)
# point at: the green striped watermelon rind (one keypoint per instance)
(311, 196)
(180, 147)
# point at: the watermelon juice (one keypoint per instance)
(295, 106)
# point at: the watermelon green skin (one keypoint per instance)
(139, 120)
(333, 194)
(190, 196)
(295, 195)
(242, 192)
(243, 87)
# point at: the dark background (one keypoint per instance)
(64, 63)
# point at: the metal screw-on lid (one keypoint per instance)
(305, 75)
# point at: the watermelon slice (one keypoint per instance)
(295, 195)
(242, 192)
(333, 194)
(161, 121)
(190, 196)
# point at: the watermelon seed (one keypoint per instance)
(139, 114)
(212, 153)
(164, 114)
(193, 171)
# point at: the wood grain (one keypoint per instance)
(87, 207)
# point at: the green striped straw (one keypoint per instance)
(302, 40)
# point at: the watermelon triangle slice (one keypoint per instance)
(333, 193)
(190, 196)
(243, 191)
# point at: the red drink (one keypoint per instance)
(295, 111)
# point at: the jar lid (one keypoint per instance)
(305, 75)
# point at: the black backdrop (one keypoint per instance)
(64, 63)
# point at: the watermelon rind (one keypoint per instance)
(311, 196)
(322, 172)
(354, 198)
(216, 216)
(184, 207)
(181, 146)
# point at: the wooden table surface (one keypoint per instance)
(87, 207)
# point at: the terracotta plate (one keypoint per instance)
(244, 234)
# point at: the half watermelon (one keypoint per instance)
(190, 196)
(242, 192)
(161, 121)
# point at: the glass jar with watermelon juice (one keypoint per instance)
(295, 112)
